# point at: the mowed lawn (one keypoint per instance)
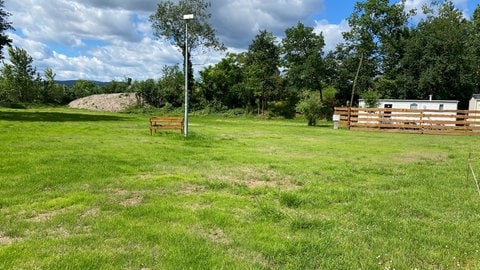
(89, 190)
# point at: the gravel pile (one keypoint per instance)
(105, 102)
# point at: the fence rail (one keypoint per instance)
(462, 122)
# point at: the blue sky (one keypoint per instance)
(336, 11)
(112, 39)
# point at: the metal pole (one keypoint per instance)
(186, 80)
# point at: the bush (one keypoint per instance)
(371, 98)
(310, 106)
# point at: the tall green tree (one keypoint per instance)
(170, 86)
(168, 91)
(147, 92)
(303, 58)
(168, 23)
(221, 83)
(5, 25)
(437, 57)
(50, 91)
(262, 69)
(374, 44)
(20, 78)
(475, 49)
(341, 65)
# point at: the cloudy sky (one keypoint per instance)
(108, 40)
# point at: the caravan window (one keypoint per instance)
(440, 107)
(413, 106)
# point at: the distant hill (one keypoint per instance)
(71, 83)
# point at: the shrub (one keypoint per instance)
(310, 106)
(371, 98)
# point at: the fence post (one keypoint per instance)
(349, 117)
(380, 118)
(421, 122)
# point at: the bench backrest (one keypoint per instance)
(168, 119)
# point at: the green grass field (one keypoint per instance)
(85, 190)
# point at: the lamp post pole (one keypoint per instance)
(186, 18)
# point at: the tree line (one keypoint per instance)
(385, 54)
(21, 83)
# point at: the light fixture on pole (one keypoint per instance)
(186, 17)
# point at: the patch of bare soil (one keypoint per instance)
(129, 199)
(5, 240)
(105, 102)
(93, 212)
(422, 156)
(46, 216)
(257, 178)
(215, 235)
(191, 189)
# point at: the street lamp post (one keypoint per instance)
(186, 18)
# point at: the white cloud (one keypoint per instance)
(69, 22)
(112, 39)
(37, 50)
(237, 22)
(418, 5)
(140, 60)
(332, 33)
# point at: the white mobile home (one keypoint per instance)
(474, 104)
(439, 111)
(415, 104)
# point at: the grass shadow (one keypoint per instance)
(324, 125)
(22, 116)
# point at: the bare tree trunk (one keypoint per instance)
(355, 80)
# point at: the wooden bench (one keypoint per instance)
(166, 123)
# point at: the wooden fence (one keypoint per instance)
(411, 121)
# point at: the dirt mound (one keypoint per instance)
(105, 102)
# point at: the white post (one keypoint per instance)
(186, 80)
(186, 18)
